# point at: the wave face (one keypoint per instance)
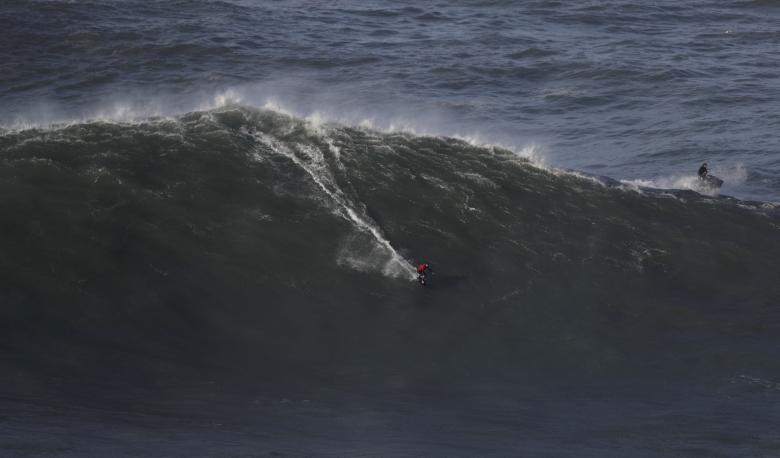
(237, 234)
(239, 282)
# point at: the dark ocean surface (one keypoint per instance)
(210, 213)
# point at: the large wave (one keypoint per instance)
(253, 235)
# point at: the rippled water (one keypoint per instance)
(635, 91)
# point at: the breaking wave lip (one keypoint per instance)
(135, 112)
(142, 107)
(318, 121)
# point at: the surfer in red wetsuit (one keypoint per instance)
(422, 272)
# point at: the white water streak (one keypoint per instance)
(396, 266)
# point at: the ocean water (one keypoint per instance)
(637, 91)
(210, 214)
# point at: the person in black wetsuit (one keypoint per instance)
(703, 171)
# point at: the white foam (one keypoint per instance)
(223, 99)
(732, 176)
(690, 182)
(533, 153)
(296, 98)
(735, 175)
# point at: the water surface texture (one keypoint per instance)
(210, 214)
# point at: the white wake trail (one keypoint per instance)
(396, 266)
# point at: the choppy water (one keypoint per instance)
(632, 90)
(210, 213)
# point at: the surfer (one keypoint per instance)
(707, 180)
(422, 273)
(703, 171)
